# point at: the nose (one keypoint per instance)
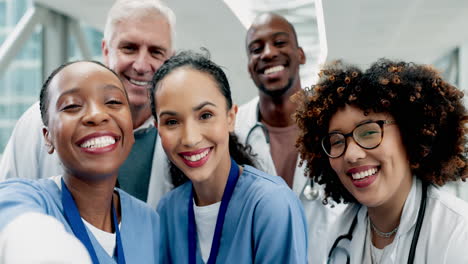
(95, 115)
(191, 135)
(142, 64)
(269, 52)
(353, 151)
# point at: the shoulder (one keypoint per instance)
(132, 204)
(450, 214)
(33, 113)
(174, 198)
(265, 188)
(27, 132)
(19, 196)
(447, 205)
(26, 186)
(261, 179)
(30, 118)
(247, 115)
(25, 155)
(247, 107)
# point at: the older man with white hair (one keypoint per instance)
(138, 38)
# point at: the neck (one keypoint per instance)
(386, 217)
(140, 114)
(93, 200)
(211, 191)
(277, 112)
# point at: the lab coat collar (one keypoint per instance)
(149, 123)
(410, 209)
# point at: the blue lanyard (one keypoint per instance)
(192, 231)
(74, 219)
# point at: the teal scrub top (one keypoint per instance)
(139, 225)
(264, 223)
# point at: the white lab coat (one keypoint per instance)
(25, 156)
(443, 237)
(319, 217)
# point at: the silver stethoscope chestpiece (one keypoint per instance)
(310, 193)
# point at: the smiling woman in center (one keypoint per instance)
(225, 212)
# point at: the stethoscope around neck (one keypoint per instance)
(309, 192)
(414, 241)
(258, 125)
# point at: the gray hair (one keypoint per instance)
(124, 9)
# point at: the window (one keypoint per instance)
(20, 84)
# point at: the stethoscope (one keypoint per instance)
(414, 241)
(309, 192)
(258, 124)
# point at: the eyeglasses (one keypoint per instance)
(367, 135)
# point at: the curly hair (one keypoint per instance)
(241, 154)
(428, 110)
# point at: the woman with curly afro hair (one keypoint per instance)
(383, 141)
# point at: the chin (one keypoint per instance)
(96, 175)
(197, 175)
(369, 200)
(275, 91)
(138, 101)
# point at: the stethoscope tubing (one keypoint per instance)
(259, 124)
(309, 193)
(264, 129)
(414, 241)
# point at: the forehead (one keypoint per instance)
(151, 29)
(348, 117)
(82, 75)
(189, 86)
(267, 27)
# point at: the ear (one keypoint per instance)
(231, 116)
(302, 57)
(105, 52)
(48, 140)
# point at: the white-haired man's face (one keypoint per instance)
(138, 47)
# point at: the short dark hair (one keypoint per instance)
(272, 14)
(44, 94)
(200, 62)
(428, 110)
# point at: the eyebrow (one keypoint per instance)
(71, 91)
(281, 34)
(274, 36)
(195, 108)
(113, 87)
(76, 90)
(158, 47)
(355, 125)
(201, 105)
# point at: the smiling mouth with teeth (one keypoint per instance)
(363, 174)
(139, 83)
(274, 69)
(98, 142)
(196, 157)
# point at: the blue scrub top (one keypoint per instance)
(264, 223)
(139, 225)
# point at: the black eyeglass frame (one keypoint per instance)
(381, 123)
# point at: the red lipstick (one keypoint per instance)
(198, 163)
(365, 181)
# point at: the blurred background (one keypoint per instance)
(38, 35)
